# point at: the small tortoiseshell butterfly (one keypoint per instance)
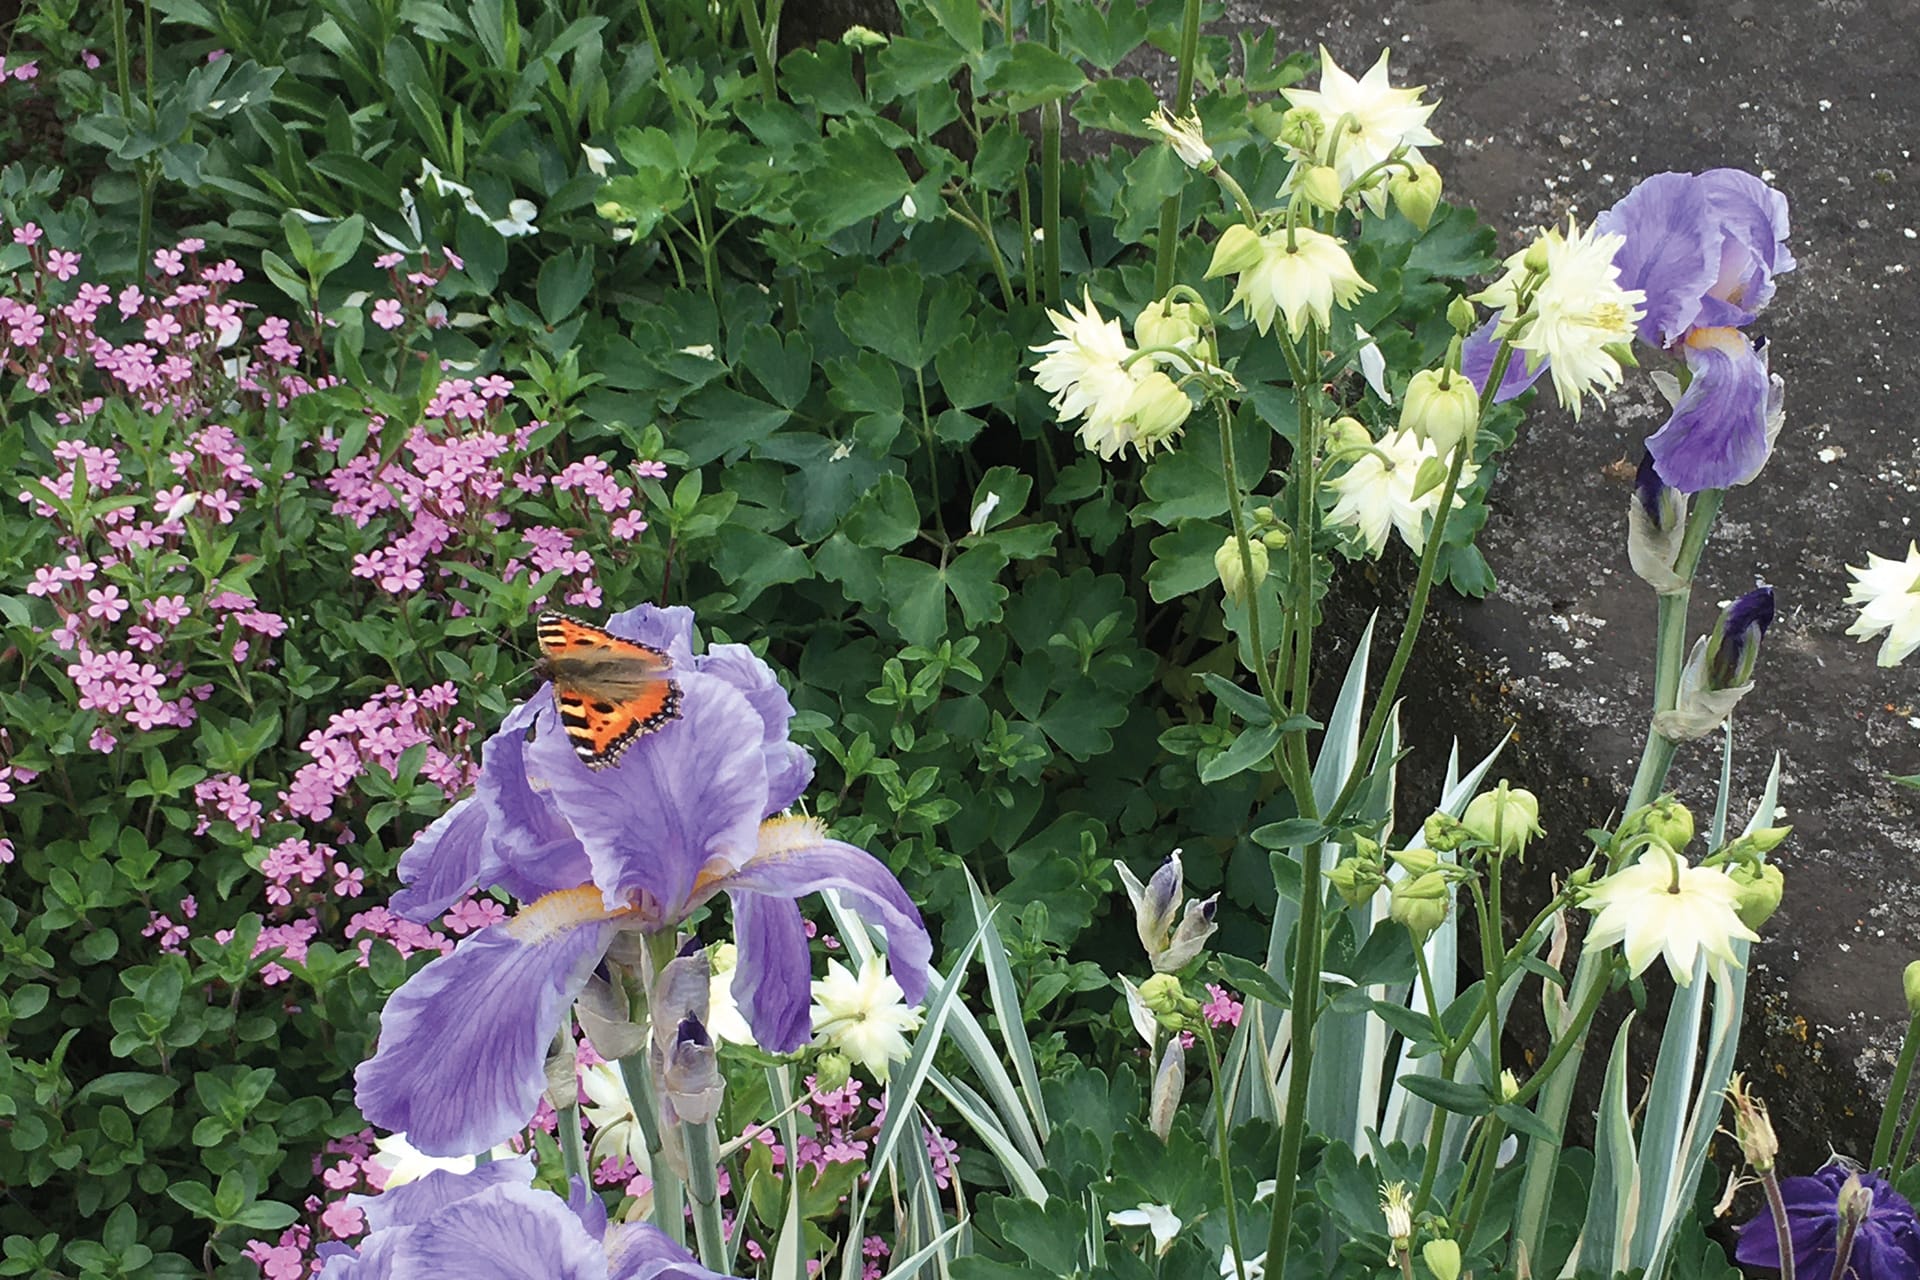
(609, 691)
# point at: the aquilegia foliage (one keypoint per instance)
(687, 814)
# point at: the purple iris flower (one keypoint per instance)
(1477, 354)
(1705, 249)
(492, 1225)
(687, 814)
(1886, 1245)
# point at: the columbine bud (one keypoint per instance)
(858, 37)
(1356, 879)
(1668, 820)
(1417, 862)
(1442, 407)
(1232, 569)
(831, 1071)
(1321, 186)
(1656, 526)
(1184, 135)
(1181, 325)
(1416, 194)
(1509, 1086)
(1535, 258)
(1277, 539)
(1461, 316)
(1910, 981)
(1302, 129)
(1168, 1082)
(1157, 408)
(1163, 994)
(1761, 886)
(1751, 846)
(1156, 903)
(1396, 1206)
(1419, 903)
(1445, 833)
(1442, 1258)
(1751, 1125)
(1237, 249)
(1506, 818)
(1346, 433)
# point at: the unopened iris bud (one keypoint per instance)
(1910, 981)
(1442, 1258)
(1156, 903)
(1168, 1082)
(1237, 249)
(1752, 1127)
(1228, 564)
(1461, 315)
(1321, 186)
(1442, 407)
(1346, 433)
(1445, 833)
(1504, 819)
(1196, 926)
(1419, 904)
(1416, 193)
(1760, 888)
(1302, 129)
(691, 1087)
(1656, 526)
(831, 1071)
(1734, 647)
(1158, 408)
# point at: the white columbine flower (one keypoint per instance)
(724, 1019)
(519, 219)
(1160, 1218)
(404, 1163)
(609, 1109)
(865, 1018)
(1661, 906)
(1376, 492)
(1579, 310)
(1373, 120)
(1888, 593)
(1084, 370)
(1184, 135)
(597, 160)
(443, 185)
(1303, 273)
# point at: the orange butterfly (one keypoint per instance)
(609, 691)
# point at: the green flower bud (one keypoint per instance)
(1237, 250)
(1442, 1258)
(1417, 862)
(858, 37)
(1442, 407)
(1623, 353)
(1761, 887)
(1445, 834)
(1228, 564)
(1276, 539)
(1346, 433)
(1174, 324)
(1910, 980)
(1461, 315)
(831, 1071)
(1505, 818)
(1302, 129)
(1668, 820)
(1535, 258)
(1752, 845)
(1169, 1001)
(1355, 880)
(1321, 186)
(1509, 1086)
(1416, 194)
(1419, 903)
(1157, 408)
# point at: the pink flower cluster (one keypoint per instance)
(413, 290)
(461, 491)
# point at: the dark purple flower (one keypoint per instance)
(1734, 647)
(492, 1225)
(1886, 1246)
(687, 814)
(1704, 249)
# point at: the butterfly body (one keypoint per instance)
(610, 692)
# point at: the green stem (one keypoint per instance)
(757, 39)
(1896, 1102)
(1306, 1000)
(1167, 250)
(1782, 1234)
(703, 1188)
(960, 209)
(573, 1151)
(1236, 511)
(1483, 1175)
(1221, 1136)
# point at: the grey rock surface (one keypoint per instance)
(1562, 106)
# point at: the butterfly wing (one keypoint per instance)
(610, 692)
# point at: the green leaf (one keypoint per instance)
(1449, 1095)
(979, 369)
(885, 516)
(1250, 979)
(1291, 833)
(750, 561)
(1252, 747)
(784, 367)
(1032, 74)
(960, 19)
(883, 313)
(565, 280)
(1183, 560)
(908, 65)
(857, 176)
(721, 421)
(1245, 703)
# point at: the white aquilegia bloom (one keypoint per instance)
(402, 1162)
(1184, 135)
(519, 219)
(1578, 311)
(1303, 273)
(724, 1019)
(1660, 906)
(1086, 373)
(598, 158)
(608, 1107)
(1377, 491)
(1373, 120)
(865, 1018)
(1888, 595)
(1159, 1218)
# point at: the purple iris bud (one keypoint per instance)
(1656, 526)
(687, 815)
(1704, 249)
(1886, 1243)
(492, 1223)
(1735, 645)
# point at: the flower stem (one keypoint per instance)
(1236, 512)
(1783, 1237)
(703, 1188)
(1221, 1136)
(573, 1152)
(1306, 1000)
(669, 1203)
(1842, 1249)
(1167, 249)
(1897, 1103)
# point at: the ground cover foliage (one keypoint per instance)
(350, 334)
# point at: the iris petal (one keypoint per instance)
(771, 979)
(414, 1202)
(642, 1251)
(504, 1233)
(1476, 361)
(1672, 253)
(1717, 436)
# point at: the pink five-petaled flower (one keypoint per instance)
(387, 313)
